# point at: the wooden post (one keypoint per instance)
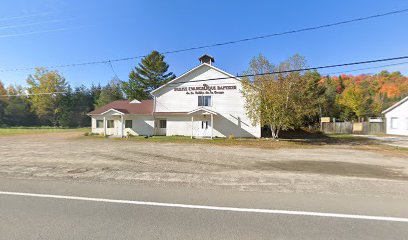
(104, 126)
(192, 123)
(121, 126)
(212, 126)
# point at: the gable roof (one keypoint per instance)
(126, 107)
(202, 109)
(395, 105)
(192, 70)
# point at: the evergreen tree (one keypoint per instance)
(111, 92)
(82, 102)
(18, 110)
(3, 103)
(149, 75)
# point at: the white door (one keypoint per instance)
(161, 127)
(204, 128)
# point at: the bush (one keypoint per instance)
(231, 136)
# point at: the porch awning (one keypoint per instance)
(116, 111)
(202, 111)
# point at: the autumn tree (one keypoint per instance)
(45, 105)
(279, 101)
(356, 101)
(150, 74)
(312, 96)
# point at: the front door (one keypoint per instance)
(204, 128)
(161, 126)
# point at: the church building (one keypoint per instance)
(204, 102)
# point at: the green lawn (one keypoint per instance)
(37, 130)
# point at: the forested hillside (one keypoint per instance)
(66, 107)
(351, 97)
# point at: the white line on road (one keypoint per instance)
(232, 209)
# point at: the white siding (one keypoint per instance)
(142, 125)
(231, 118)
(400, 116)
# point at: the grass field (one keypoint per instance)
(37, 130)
(312, 142)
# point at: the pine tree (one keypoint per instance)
(3, 102)
(111, 92)
(149, 75)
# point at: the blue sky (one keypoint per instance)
(43, 33)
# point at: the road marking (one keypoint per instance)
(215, 208)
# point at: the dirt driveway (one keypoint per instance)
(397, 141)
(328, 169)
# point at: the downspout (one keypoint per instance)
(154, 117)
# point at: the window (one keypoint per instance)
(204, 125)
(394, 123)
(204, 101)
(162, 124)
(99, 123)
(110, 124)
(128, 123)
(406, 120)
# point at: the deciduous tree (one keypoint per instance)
(46, 106)
(277, 100)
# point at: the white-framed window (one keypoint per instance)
(162, 123)
(406, 120)
(128, 123)
(204, 101)
(394, 122)
(110, 124)
(99, 123)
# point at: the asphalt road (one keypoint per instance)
(34, 217)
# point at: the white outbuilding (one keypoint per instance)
(397, 118)
(203, 102)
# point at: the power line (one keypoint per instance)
(38, 94)
(261, 74)
(367, 68)
(302, 69)
(113, 70)
(221, 43)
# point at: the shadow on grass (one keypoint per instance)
(316, 138)
(289, 139)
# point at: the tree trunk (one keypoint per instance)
(274, 131)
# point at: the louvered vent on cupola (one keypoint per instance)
(206, 59)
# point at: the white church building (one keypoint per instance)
(203, 102)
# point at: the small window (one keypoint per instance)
(128, 123)
(110, 124)
(394, 123)
(99, 123)
(204, 101)
(162, 124)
